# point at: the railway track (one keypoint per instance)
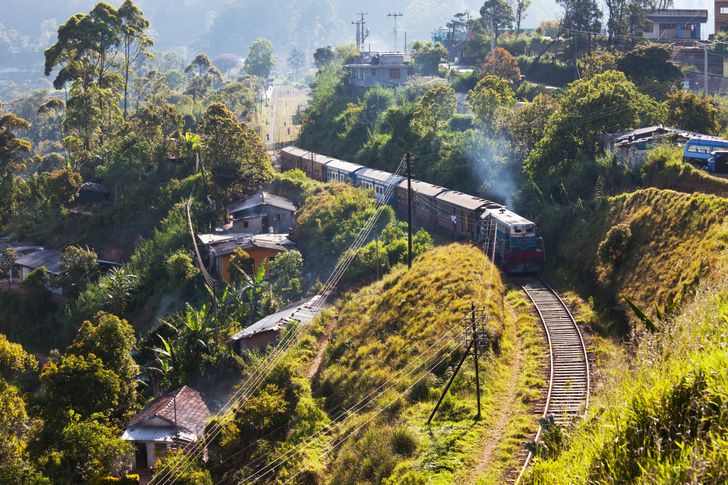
(569, 380)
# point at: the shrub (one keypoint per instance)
(614, 247)
(403, 442)
(180, 267)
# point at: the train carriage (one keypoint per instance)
(459, 213)
(341, 171)
(423, 201)
(517, 248)
(291, 158)
(379, 182)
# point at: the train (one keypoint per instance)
(518, 248)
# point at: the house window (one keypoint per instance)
(245, 223)
(160, 450)
(394, 74)
(724, 10)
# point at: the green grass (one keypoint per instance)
(675, 241)
(665, 169)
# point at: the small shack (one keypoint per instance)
(171, 421)
(262, 248)
(92, 193)
(263, 213)
(48, 258)
(267, 330)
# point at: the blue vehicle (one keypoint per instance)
(718, 163)
(698, 150)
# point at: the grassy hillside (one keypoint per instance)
(383, 355)
(665, 169)
(651, 246)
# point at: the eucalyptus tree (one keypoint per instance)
(133, 41)
(202, 74)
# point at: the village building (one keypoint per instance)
(91, 193)
(267, 330)
(454, 39)
(674, 24)
(262, 213)
(388, 69)
(32, 260)
(171, 421)
(721, 16)
(261, 248)
(632, 146)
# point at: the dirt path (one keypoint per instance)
(322, 343)
(507, 398)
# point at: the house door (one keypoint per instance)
(265, 223)
(141, 456)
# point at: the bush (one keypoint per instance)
(403, 442)
(614, 247)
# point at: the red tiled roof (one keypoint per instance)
(192, 412)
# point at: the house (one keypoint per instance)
(172, 420)
(261, 248)
(388, 69)
(91, 193)
(263, 213)
(267, 330)
(454, 39)
(48, 258)
(674, 24)
(633, 145)
(721, 16)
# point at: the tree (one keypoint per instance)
(112, 340)
(650, 66)
(520, 14)
(240, 264)
(133, 40)
(563, 163)
(62, 186)
(286, 272)
(202, 73)
(79, 384)
(427, 58)
(296, 61)
(79, 267)
(234, 155)
(692, 111)
(260, 59)
(527, 124)
(118, 287)
(88, 449)
(496, 16)
(488, 97)
(323, 56)
(14, 360)
(581, 23)
(596, 62)
(7, 261)
(499, 62)
(435, 107)
(12, 148)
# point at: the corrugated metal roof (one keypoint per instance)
(344, 166)
(462, 200)
(295, 151)
(223, 244)
(423, 188)
(379, 175)
(43, 257)
(691, 15)
(262, 198)
(301, 313)
(510, 217)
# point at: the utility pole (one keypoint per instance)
(705, 68)
(376, 238)
(476, 340)
(361, 32)
(395, 15)
(408, 159)
(358, 34)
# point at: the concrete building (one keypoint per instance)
(675, 24)
(721, 16)
(48, 258)
(171, 421)
(388, 69)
